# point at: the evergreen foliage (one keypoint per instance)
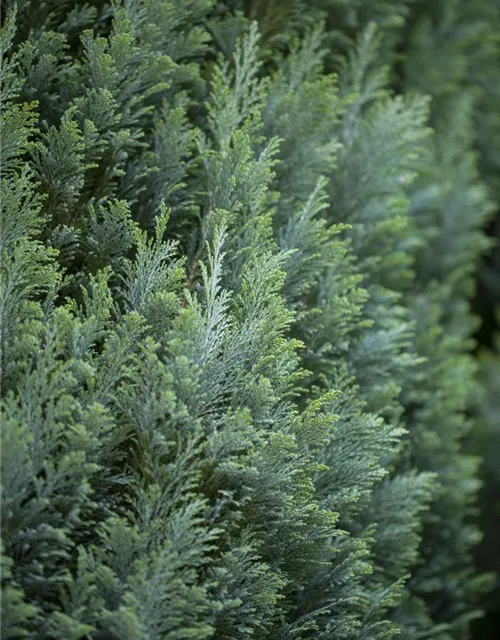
(238, 248)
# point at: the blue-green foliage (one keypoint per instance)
(234, 332)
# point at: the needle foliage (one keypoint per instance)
(238, 250)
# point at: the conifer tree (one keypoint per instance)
(235, 331)
(450, 206)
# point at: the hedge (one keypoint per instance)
(239, 246)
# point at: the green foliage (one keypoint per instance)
(235, 323)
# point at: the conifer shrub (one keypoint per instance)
(238, 248)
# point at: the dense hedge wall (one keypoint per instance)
(239, 245)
